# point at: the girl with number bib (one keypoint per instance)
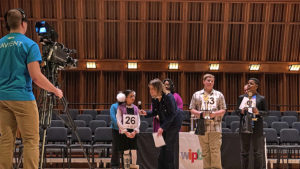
(129, 123)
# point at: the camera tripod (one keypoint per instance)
(46, 102)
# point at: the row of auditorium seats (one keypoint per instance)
(93, 124)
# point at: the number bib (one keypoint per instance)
(130, 121)
(210, 103)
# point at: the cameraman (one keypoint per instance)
(19, 66)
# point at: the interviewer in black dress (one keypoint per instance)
(170, 117)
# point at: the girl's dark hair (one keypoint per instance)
(128, 91)
(157, 84)
(172, 87)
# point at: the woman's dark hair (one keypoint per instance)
(172, 87)
(256, 81)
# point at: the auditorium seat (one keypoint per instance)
(149, 120)
(85, 135)
(265, 124)
(102, 140)
(74, 113)
(296, 125)
(85, 117)
(274, 113)
(271, 136)
(80, 123)
(290, 136)
(223, 124)
(93, 113)
(289, 119)
(290, 113)
(226, 130)
(105, 112)
(270, 119)
(57, 139)
(229, 119)
(279, 126)
(234, 125)
(144, 125)
(106, 118)
(149, 130)
(97, 123)
(57, 123)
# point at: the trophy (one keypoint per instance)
(250, 94)
(207, 110)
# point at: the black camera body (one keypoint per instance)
(53, 51)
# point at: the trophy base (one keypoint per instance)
(254, 119)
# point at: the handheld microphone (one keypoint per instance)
(140, 105)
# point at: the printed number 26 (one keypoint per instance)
(130, 120)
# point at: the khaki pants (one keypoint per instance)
(23, 114)
(211, 149)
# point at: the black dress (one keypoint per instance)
(125, 142)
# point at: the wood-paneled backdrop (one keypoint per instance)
(154, 32)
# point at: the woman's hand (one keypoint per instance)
(142, 112)
(160, 131)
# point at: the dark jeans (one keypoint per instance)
(115, 158)
(257, 141)
(166, 159)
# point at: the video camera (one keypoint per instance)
(53, 51)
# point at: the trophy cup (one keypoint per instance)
(250, 94)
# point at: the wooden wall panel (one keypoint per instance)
(111, 86)
(90, 9)
(194, 42)
(174, 39)
(275, 39)
(153, 41)
(70, 36)
(132, 82)
(257, 12)
(295, 13)
(254, 44)
(234, 88)
(235, 42)
(293, 50)
(171, 30)
(195, 11)
(214, 42)
(71, 87)
(293, 92)
(133, 39)
(91, 40)
(112, 40)
(91, 90)
(69, 9)
(49, 9)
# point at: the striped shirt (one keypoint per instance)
(216, 102)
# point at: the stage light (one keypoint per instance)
(254, 67)
(214, 66)
(294, 67)
(132, 65)
(91, 65)
(173, 66)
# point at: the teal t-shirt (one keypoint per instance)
(16, 51)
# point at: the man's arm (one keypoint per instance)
(40, 80)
